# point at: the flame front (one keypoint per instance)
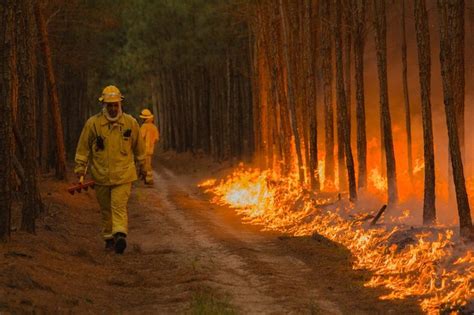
(430, 268)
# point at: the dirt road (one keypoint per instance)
(185, 255)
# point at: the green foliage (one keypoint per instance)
(169, 34)
(127, 43)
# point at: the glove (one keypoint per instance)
(80, 170)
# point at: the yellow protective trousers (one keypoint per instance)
(148, 169)
(113, 205)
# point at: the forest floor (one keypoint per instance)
(185, 255)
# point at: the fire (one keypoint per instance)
(208, 183)
(430, 267)
(322, 174)
(248, 190)
(419, 166)
(401, 219)
(378, 181)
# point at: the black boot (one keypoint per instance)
(120, 242)
(109, 244)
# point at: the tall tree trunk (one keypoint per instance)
(248, 109)
(326, 62)
(154, 102)
(281, 132)
(457, 72)
(342, 105)
(14, 79)
(283, 105)
(406, 95)
(290, 93)
(342, 178)
(311, 17)
(346, 46)
(456, 12)
(45, 131)
(347, 22)
(381, 46)
(52, 91)
(255, 61)
(341, 169)
(299, 25)
(424, 61)
(228, 109)
(450, 12)
(32, 202)
(6, 143)
(359, 7)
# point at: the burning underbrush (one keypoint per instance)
(426, 263)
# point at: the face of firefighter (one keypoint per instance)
(112, 109)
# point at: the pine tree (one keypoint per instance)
(451, 17)
(326, 62)
(424, 61)
(6, 145)
(385, 119)
(359, 7)
(25, 27)
(342, 106)
(406, 95)
(52, 92)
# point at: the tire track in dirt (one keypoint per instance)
(243, 264)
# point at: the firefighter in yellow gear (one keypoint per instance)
(150, 135)
(110, 143)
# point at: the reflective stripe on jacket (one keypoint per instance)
(114, 163)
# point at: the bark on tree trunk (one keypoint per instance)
(381, 46)
(6, 143)
(228, 110)
(289, 95)
(342, 106)
(326, 69)
(359, 7)
(45, 131)
(449, 14)
(53, 92)
(456, 12)
(424, 61)
(406, 95)
(347, 26)
(311, 18)
(282, 113)
(32, 202)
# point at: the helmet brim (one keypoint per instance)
(111, 99)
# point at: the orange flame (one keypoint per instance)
(429, 268)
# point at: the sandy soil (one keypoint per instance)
(185, 255)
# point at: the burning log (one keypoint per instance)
(366, 217)
(362, 218)
(378, 215)
(405, 237)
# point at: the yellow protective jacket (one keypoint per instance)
(150, 135)
(114, 164)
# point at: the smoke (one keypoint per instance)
(411, 192)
